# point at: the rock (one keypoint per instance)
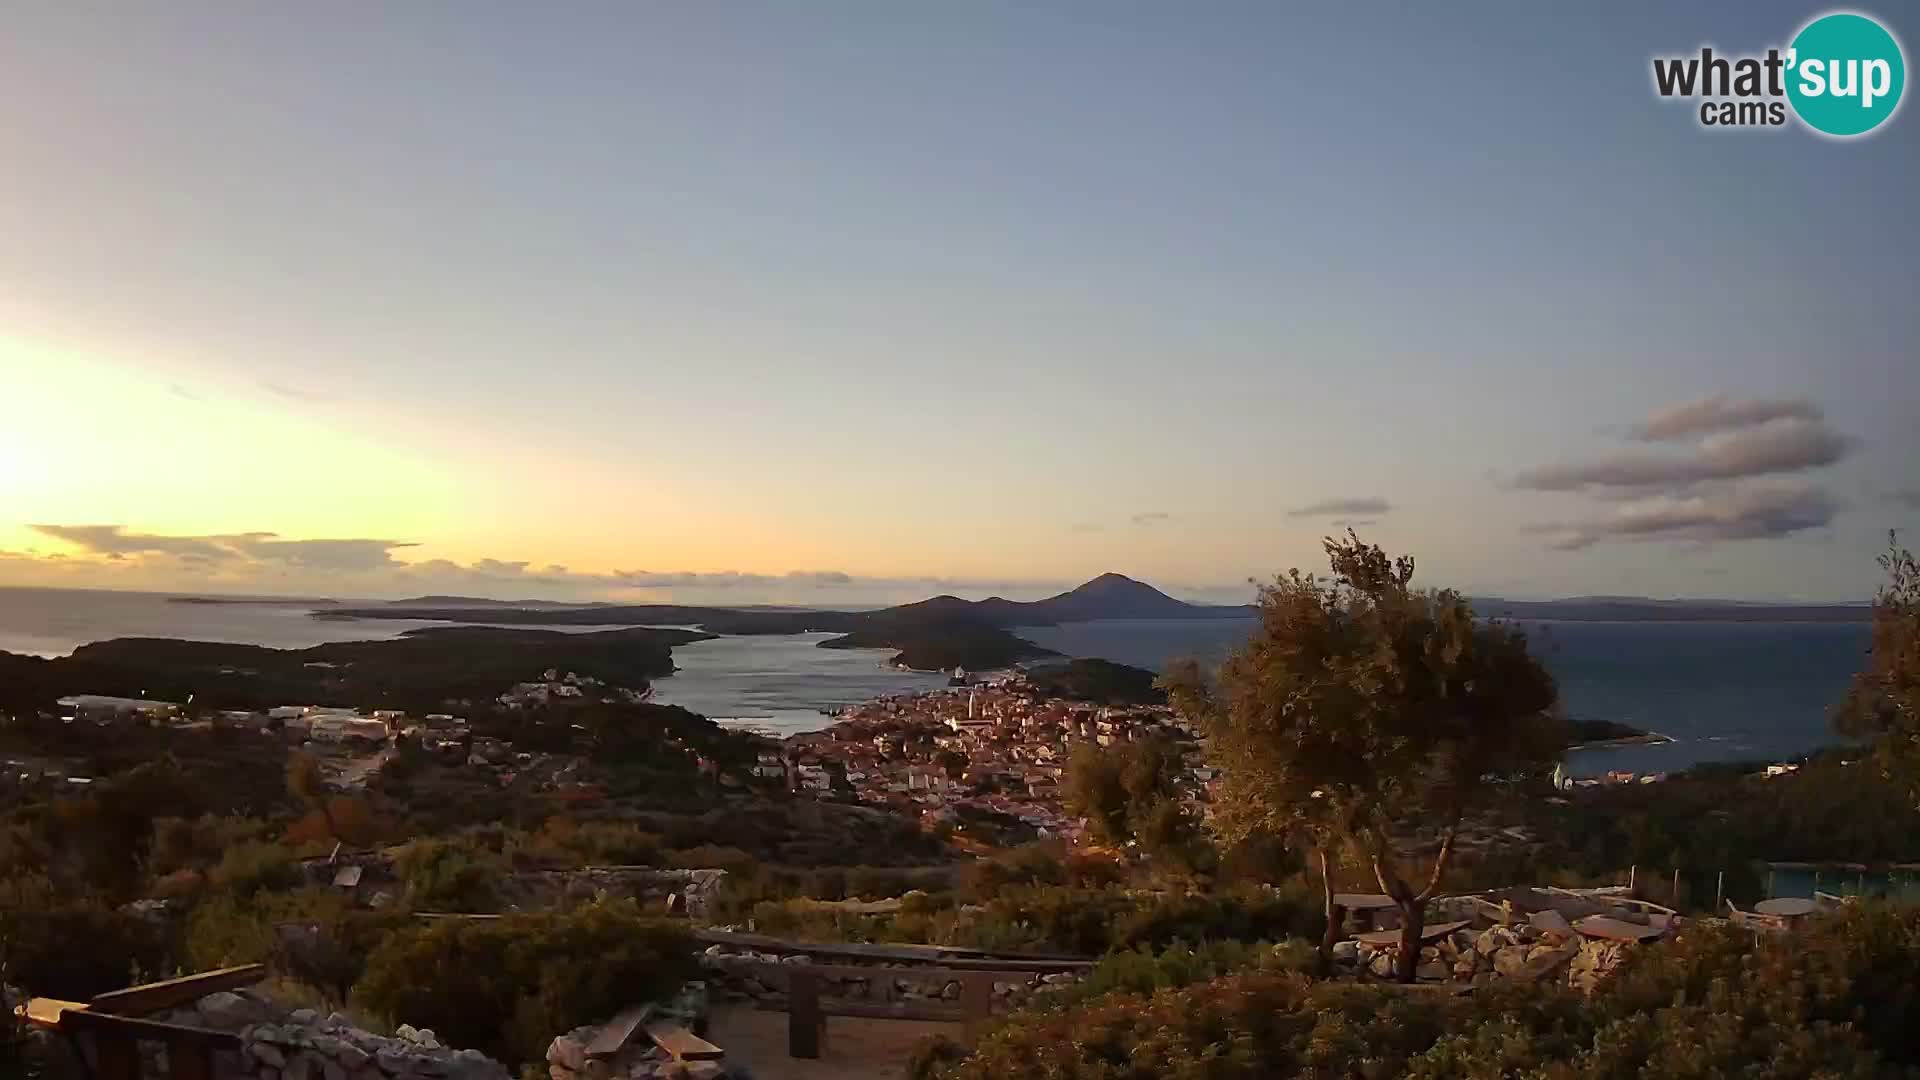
(303, 1017)
(1509, 961)
(390, 1061)
(407, 1032)
(352, 1057)
(1346, 951)
(332, 1070)
(1058, 978)
(599, 1069)
(229, 1011)
(569, 1052)
(1433, 969)
(703, 1070)
(267, 1054)
(1381, 964)
(300, 1067)
(425, 1037)
(561, 1072)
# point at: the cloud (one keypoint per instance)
(1729, 513)
(263, 561)
(1718, 413)
(1907, 497)
(115, 542)
(1771, 447)
(292, 393)
(180, 391)
(1358, 505)
(1151, 517)
(1727, 484)
(1086, 527)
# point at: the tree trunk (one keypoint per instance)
(1413, 921)
(1332, 933)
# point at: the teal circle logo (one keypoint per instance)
(1845, 74)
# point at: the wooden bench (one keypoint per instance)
(683, 1045)
(111, 1022)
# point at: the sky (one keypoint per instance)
(855, 301)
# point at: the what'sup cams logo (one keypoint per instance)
(1842, 76)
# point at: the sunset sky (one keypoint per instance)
(858, 301)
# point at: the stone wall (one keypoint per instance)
(746, 975)
(279, 1043)
(1478, 957)
(649, 885)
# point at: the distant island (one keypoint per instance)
(420, 670)
(273, 601)
(1598, 734)
(944, 632)
(1097, 680)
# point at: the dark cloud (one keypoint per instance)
(1907, 497)
(1726, 485)
(1773, 447)
(115, 542)
(1358, 505)
(1151, 517)
(317, 554)
(1719, 413)
(1729, 513)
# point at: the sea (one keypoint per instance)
(1721, 691)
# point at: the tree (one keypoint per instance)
(1363, 713)
(953, 763)
(1884, 700)
(306, 783)
(1127, 792)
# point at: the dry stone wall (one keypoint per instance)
(280, 1043)
(747, 975)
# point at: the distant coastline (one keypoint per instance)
(266, 601)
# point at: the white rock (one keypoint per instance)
(568, 1052)
(229, 1011)
(303, 1017)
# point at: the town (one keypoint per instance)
(997, 749)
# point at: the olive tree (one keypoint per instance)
(1884, 701)
(1363, 713)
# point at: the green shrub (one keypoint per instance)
(451, 876)
(57, 945)
(252, 865)
(508, 985)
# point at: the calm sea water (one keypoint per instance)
(779, 683)
(1722, 691)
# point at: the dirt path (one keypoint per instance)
(853, 1049)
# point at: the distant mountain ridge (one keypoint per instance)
(1109, 596)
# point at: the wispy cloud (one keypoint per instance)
(1720, 413)
(1907, 497)
(1747, 513)
(290, 392)
(1361, 505)
(1728, 484)
(1151, 517)
(1784, 445)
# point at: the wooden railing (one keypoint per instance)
(112, 1026)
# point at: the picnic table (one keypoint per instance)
(1786, 907)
